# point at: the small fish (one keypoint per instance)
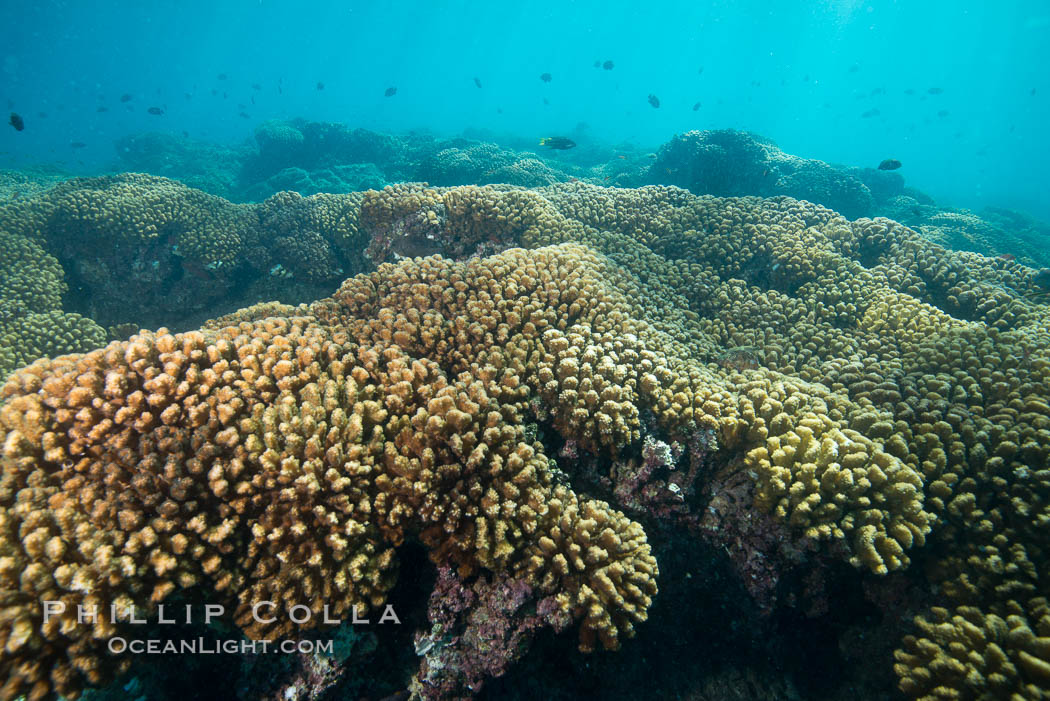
(16, 121)
(597, 64)
(765, 173)
(125, 98)
(77, 144)
(696, 107)
(244, 115)
(320, 85)
(1032, 91)
(557, 143)
(700, 71)
(607, 178)
(890, 164)
(155, 111)
(909, 91)
(873, 112)
(185, 133)
(546, 101)
(188, 96)
(651, 155)
(943, 113)
(256, 86)
(854, 68)
(545, 77)
(622, 158)
(477, 82)
(40, 115)
(224, 95)
(608, 65)
(390, 92)
(221, 76)
(253, 99)
(1008, 257)
(934, 91)
(654, 100)
(102, 108)
(214, 92)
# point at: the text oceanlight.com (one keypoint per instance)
(203, 646)
(263, 612)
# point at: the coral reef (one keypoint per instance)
(151, 250)
(793, 388)
(32, 323)
(315, 146)
(728, 163)
(337, 179)
(478, 631)
(198, 164)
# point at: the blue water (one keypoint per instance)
(802, 74)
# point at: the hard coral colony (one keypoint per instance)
(871, 395)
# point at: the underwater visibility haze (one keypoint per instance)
(387, 351)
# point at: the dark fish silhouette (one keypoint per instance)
(102, 108)
(696, 107)
(244, 115)
(77, 144)
(390, 92)
(890, 164)
(477, 82)
(654, 100)
(701, 71)
(943, 113)
(557, 143)
(873, 112)
(155, 111)
(125, 97)
(935, 91)
(608, 65)
(597, 64)
(545, 77)
(222, 76)
(1008, 257)
(256, 86)
(16, 121)
(320, 85)
(546, 101)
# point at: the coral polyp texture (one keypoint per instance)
(870, 396)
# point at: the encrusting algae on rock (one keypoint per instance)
(284, 453)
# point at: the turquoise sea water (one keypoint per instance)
(800, 73)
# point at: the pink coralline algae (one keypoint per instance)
(759, 548)
(478, 629)
(657, 486)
